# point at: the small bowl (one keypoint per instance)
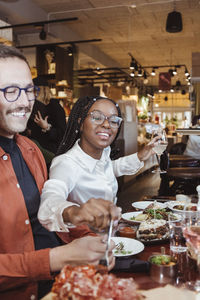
(163, 273)
(128, 232)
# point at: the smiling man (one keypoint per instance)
(30, 254)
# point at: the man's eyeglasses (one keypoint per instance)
(99, 118)
(12, 93)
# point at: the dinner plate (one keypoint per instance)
(179, 211)
(127, 217)
(144, 204)
(131, 246)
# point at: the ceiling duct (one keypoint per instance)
(174, 22)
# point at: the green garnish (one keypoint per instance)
(119, 249)
(160, 260)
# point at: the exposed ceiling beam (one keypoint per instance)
(39, 23)
(60, 43)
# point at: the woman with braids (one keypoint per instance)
(83, 168)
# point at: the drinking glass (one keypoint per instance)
(159, 147)
(191, 232)
(177, 240)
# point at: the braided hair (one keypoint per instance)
(77, 116)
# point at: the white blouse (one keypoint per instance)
(75, 177)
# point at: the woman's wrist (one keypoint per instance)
(47, 128)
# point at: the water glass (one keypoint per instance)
(177, 240)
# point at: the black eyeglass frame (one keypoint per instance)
(119, 119)
(35, 92)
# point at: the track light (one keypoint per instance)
(43, 34)
(186, 72)
(145, 75)
(153, 72)
(140, 72)
(132, 64)
(69, 51)
(174, 72)
(132, 74)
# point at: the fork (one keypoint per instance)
(104, 261)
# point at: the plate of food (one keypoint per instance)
(92, 282)
(140, 205)
(180, 208)
(153, 231)
(126, 246)
(135, 217)
(148, 214)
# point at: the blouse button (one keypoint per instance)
(5, 157)
(27, 222)
(32, 297)
(18, 186)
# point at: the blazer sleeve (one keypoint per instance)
(18, 269)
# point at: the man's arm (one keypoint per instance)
(19, 269)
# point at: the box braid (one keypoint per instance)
(78, 114)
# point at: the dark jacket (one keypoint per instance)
(51, 139)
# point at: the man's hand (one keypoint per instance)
(86, 250)
(95, 212)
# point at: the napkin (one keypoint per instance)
(130, 265)
(170, 292)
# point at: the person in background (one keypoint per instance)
(47, 122)
(29, 254)
(83, 167)
(193, 141)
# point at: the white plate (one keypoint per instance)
(179, 211)
(130, 245)
(128, 216)
(144, 204)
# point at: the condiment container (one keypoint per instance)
(163, 273)
(128, 232)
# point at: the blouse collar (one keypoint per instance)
(86, 160)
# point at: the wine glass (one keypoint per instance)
(191, 232)
(159, 147)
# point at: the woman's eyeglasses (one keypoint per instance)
(12, 93)
(99, 118)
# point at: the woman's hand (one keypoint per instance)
(86, 250)
(147, 150)
(95, 213)
(40, 121)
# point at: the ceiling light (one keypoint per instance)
(69, 51)
(174, 72)
(186, 72)
(178, 83)
(132, 74)
(153, 72)
(174, 22)
(132, 64)
(43, 34)
(140, 72)
(171, 90)
(166, 98)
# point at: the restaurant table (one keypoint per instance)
(184, 172)
(182, 161)
(188, 131)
